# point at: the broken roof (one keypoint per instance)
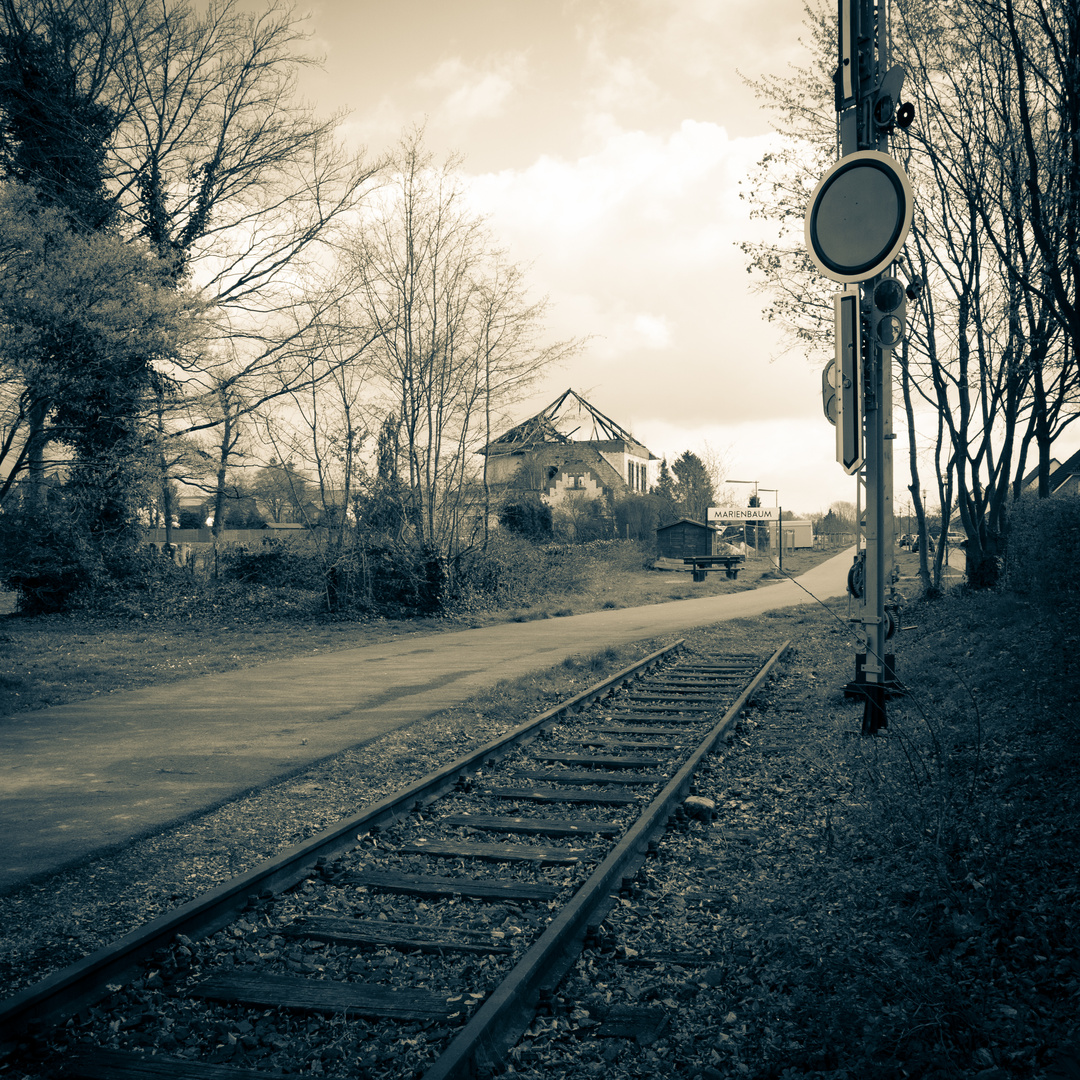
(548, 426)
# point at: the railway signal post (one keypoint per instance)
(856, 223)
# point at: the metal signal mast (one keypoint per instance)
(857, 221)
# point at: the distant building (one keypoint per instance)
(570, 448)
(1065, 479)
(794, 533)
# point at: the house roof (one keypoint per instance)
(1061, 474)
(544, 428)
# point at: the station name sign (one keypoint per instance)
(744, 513)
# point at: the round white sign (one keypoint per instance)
(859, 216)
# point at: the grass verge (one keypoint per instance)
(53, 659)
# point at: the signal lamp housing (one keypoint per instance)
(888, 313)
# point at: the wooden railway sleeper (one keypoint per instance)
(498, 1022)
(543, 983)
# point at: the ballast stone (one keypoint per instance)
(699, 807)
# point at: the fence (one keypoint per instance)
(228, 536)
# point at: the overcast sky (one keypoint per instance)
(605, 140)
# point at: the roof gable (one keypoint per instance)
(1060, 475)
(550, 424)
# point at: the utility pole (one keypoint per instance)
(856, 224)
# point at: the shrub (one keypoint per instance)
(527, 516)
(626, 555)
(42, 563)
(192, 519)
(1043, 557)
(637, 517)
(387, 576)
(567, 567)
(507, 570)
(510, 570)
(580, 518)
(275, 563)
(49, 556)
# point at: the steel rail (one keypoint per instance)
(498, 1023)
(64, 992)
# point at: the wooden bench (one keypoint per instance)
(702, 564)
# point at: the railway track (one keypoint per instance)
(427, 930)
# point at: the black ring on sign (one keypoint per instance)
(898, 228)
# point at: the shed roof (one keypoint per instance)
(686, 521)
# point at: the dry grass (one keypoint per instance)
(50, 660)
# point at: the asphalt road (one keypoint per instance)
(80, 778)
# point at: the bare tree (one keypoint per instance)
(324, 421)
(982, 368)
(1043, 38)
(212, 162)
(241, 187)
(455, 335)
(994, 373)
(1035, 102)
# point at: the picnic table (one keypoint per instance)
(702, 564)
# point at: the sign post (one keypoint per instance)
(856, 223)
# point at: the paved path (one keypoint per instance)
(78, 778)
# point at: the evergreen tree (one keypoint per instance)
(53, 131)
(693, 486)
(667, 499)
(86, 390)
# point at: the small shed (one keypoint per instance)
(684, 538)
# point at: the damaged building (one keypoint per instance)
(570, 448)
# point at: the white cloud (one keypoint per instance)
(474, 93)
(653, 332)
(617, 83)
(635, 245)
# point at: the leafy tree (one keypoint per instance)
(85, 392)
(54, 127)
(193, 519)
(80, 312)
